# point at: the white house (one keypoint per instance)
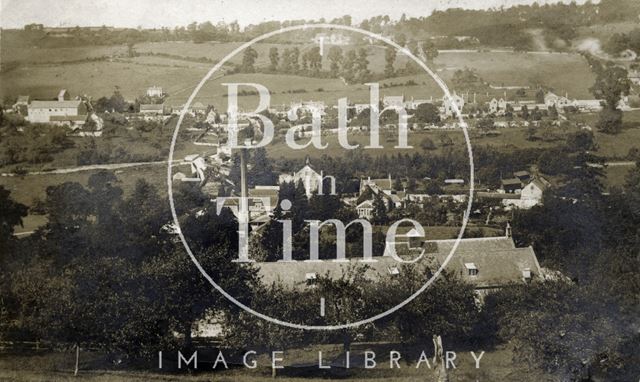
(365, 209)
(560, 102)
(497, 105)
(448, 104)
(155, 91)
(332, 39)
(310, 178)
(530, 195)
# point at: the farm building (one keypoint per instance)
(61, 112)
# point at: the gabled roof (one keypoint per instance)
(511, 182)
(521, 174)
(365, 204)
(494, 268)
(539, 183)
(496, 259)
(383, 184)
(22, 100)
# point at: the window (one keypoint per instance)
(310, 278)
(471, 269)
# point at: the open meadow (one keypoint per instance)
(178, 67)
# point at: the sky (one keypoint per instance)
(170, 13)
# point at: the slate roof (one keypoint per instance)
(511, 182)
(54, 104)
(497, 260)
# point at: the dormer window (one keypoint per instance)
(393, 271)
(526, 274)
(310, 278)
(472, 270)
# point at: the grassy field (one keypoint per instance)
(616, 176)
(37, 76)
(27, 54)
(495, 365)
(618, 145)
(565, 73)
(507, 139)
(25, 189)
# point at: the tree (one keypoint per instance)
(540, 96)
(581, 140)
(401, 39)
(335, 57)
(390, 58)
(427, 144)
(611, 83)
(427, 113)
(430, 50)
(117, 102)
(485, 124)
(362, 66)
(609, 121)
(11, 214)
(315, 59)
(261, 171)
(379, 211)
(273, 58)
(524, 112)
(445, 140)
(448, 306)
(350, 299)
(248, 60)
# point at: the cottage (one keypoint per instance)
(551, 99)
(530, 195)
(488, 263)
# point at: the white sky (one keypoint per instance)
(157, 13)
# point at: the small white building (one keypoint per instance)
(530, 195)
(448, 104)
(365, 209)
(155, 91)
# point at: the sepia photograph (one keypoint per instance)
(360, 190)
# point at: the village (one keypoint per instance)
(521, 190)
(296, 199)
